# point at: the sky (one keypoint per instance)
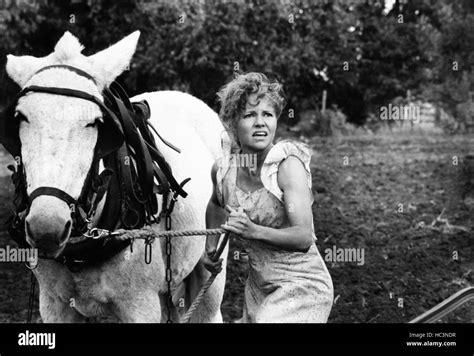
(388, 5)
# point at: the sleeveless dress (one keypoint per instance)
(282, 286)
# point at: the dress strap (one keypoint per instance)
(279, 152)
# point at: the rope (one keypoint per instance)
(206, 286)
(198, 299)
(147, 233)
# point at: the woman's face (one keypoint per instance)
(256, 128)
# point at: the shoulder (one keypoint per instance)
(290, 164)
(291, 171)
(286, 148)
(287, 155)
(287, 165)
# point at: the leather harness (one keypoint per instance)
(131, 160)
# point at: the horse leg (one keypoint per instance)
(55, 290)
(145, 307)
(53, 310)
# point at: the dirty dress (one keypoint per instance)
(282, 286)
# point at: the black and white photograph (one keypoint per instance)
(305, 164)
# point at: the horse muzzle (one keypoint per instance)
(47, 232)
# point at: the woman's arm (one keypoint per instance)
(299, 236)
(215, 214)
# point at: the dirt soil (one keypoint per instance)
(357, 206)
(359, 183)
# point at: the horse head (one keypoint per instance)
(59, 134)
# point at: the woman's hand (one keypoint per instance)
(239, 223)
(211, 265)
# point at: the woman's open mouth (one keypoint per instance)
(260, 134)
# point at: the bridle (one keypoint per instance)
(79, 221)
(79, 217)
(131, 159)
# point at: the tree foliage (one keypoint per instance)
(368, 56)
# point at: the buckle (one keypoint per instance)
(96, 233)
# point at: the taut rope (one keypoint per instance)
(206, 286)
(147, 233)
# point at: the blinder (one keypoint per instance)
(9, 130)
(110, 136)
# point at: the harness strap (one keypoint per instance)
(73, 69)
(126, 189)
(86, 96)
(136, 141)
(64, 92)
(77, 212)
(55, 192)
(144, 109)
(149, 141)
(164, 185)
(99, 194)
(167, 171)
(31, 299)
(167, 143)
(135, 129)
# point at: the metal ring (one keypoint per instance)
(133, 215)
(27, 264)
(168, 275)
(148, 251)
(132, 240)
(168, 248)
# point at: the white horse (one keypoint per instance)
(57, 151)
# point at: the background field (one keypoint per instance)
(356, 206)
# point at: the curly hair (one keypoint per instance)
(234, 96)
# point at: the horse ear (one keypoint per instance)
(111, 62)
(21, 68)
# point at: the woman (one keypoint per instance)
(268, 205)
